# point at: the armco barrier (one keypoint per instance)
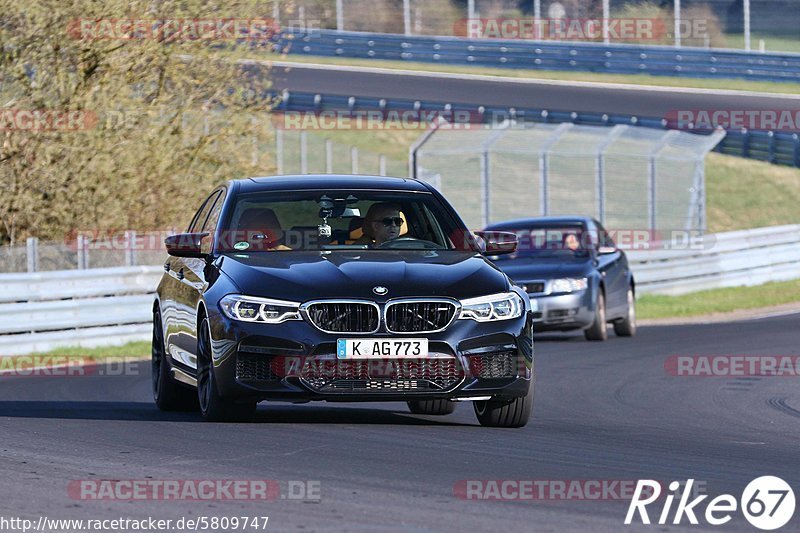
(736, 258)
(781, 148)
(548, 55)
(42, 311)
(95, 307)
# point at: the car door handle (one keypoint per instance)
(180, 274)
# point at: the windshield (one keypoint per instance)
(336, 219)
(566, 242)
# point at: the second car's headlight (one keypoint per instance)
(568, 284)
(502, 306)
(254, 309)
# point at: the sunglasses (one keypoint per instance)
(392, 221)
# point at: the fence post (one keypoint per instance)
(303, 152)
(486, 203)
(407, 17)
(83, 252)
(600, 168)
(651, 182)
(279, 150)
(746, 13)
(254, 153)
(354, 160)
(339, 16)
(328, 156)
(486, 170)
(32, 253)
(130, 248)
(544, 163)
(412, 152)
(382, 164)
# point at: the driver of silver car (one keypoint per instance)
(382, 223)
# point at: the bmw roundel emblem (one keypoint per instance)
(380, 290)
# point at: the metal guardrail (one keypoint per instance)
(103, 306)
(749, 257)
(781, 148)
(548, 55)
(42, 311)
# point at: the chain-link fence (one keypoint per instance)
(294, 152)
(627, 177)
(305, 152)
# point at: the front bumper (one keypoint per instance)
(296, 362)
(573, 310)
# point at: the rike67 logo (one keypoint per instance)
(767, 503)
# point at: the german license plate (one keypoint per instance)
(381, 348)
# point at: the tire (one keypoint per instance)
(505, 413)
(431, 407)
(213, 407)
(168, 394)
(626, 327)
(598, 331)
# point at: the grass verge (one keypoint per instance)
(718, 300)
(138, 349)
(745, 193)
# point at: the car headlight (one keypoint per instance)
(253, 309)
(568, 284)
(502, 306)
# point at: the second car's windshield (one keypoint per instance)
(567, 241)
(339, 219)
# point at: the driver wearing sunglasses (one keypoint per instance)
(382, 223)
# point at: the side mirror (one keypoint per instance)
(606, 250)
(187, 245)
(498, 242)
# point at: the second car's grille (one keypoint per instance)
(344, 317)
(419, 316)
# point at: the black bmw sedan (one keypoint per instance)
(339, 288)
(575, 275)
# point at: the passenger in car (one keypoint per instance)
(262, 229)
(571, 242)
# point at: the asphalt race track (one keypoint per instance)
(604, 411)
(497, 91)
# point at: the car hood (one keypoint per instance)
(303, 276)
(531, 268)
